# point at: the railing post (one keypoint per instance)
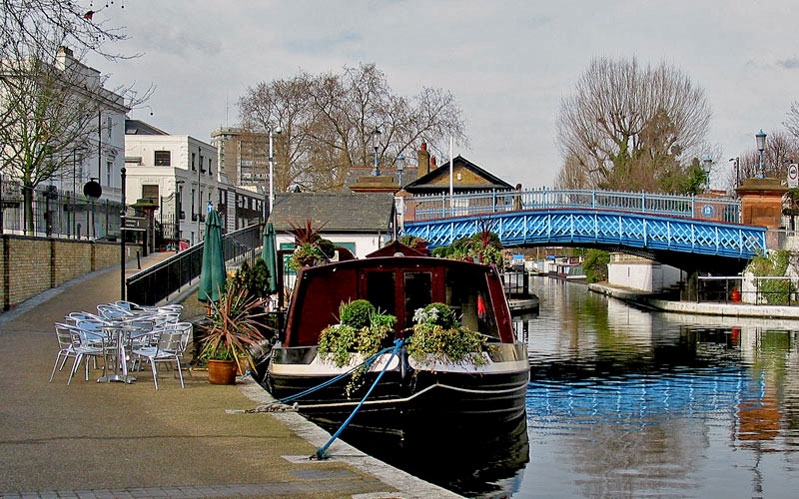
(493, 200)
(693, 206)
(593, 199)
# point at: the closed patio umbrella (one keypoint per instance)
(269, 254)
(213, 276)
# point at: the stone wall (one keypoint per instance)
(29, 265)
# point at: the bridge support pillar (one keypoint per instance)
(761, 202)
(688, 292)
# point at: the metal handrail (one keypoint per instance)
(720, 289)
(155, 283)
(431, 206)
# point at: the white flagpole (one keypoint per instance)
(451, 181)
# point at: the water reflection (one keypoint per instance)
(479, 461)
(625, 401)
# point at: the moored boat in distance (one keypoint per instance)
(489, 385)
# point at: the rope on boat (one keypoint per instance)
(367, 363)
(417, 394)
(321, 453)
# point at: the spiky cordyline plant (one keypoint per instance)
(233, 328)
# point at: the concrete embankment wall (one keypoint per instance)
(31, 265)
(700, 308)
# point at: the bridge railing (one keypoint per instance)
(427, 207)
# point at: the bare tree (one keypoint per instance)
(50, 109)
(29, 27)
(781, 150)
(328, 119)
(48, 99)
(792, 120)
(631, 127)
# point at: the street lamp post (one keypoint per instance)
(707, 163)
(735, 161)
(122, 222)
(375, 139)
(400, 167)
(178, 199)
(272, 132)
(760, 137)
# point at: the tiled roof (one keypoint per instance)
(137, 127)
(423, 183)
(339, 211)
(356, 172)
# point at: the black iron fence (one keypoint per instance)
(56, 213)
(156, 283)
(763, 290)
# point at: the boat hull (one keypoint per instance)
(434, 395)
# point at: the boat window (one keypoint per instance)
(418, 293)
(380, 291)
(467, 295)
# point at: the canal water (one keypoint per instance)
(630, 402)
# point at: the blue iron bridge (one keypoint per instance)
(701, 225)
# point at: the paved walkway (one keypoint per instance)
(94, 439)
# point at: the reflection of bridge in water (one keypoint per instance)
(640, 398)
(653, 224)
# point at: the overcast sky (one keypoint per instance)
(508, 64)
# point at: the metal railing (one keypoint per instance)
(156, 283)
(426, 207)
(56, 213)
(515, 284)
(763, 290)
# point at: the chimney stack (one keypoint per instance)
(424, 160)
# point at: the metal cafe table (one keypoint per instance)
(125, 331)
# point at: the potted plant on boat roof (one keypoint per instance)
(310, 248)
(232, 330)
(362, 330)
(438, 338)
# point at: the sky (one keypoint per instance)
(508, 63)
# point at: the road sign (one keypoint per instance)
(793, 175)
(138, 224)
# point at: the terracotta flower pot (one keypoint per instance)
(221, 372)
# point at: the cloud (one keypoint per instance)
(325, 44)
(792, 63)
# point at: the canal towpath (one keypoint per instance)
(94, 439)
(738, 310)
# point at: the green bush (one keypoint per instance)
(776, 291)
(452, 345)
(595, 265)
(356, 313)
(337, 341)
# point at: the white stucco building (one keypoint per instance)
(159, 165)
(97, 155)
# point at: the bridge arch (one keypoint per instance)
(666, 238)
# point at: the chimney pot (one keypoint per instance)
(424, 146)
(433, 162)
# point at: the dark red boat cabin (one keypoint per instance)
(398, 285)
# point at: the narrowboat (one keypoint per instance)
(400, 280)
